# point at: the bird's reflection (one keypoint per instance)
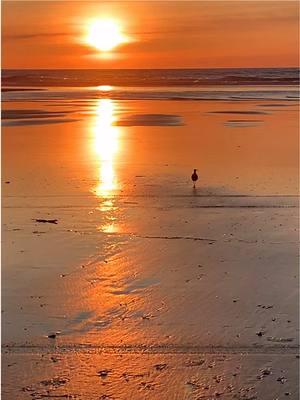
(106, 146)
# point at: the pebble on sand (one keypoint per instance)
(160, 367)
(103, 373)
(52, 336)
(266, 371)
(281, 379)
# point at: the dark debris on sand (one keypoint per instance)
(160, 367)
(46, 221)
(103, 373)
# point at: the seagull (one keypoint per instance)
(194, 177)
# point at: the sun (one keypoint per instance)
(105, 34)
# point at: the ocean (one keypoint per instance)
(167, 84)
(152, 77)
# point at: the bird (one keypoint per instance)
(194, 177)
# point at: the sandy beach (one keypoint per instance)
(121, 281)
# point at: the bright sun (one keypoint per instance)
(105, 34)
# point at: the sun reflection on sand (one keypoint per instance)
(106, 146)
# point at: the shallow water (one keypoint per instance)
(138, 257)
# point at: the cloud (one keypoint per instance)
(26, 36)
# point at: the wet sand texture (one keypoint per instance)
(121, 281)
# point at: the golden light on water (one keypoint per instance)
(110, 212)
(106, 205)
(109, 228)
(105, 34)
(106, 146)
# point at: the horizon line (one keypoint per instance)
(147, 69)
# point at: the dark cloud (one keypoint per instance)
(35, 35)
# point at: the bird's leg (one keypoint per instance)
(194, 186)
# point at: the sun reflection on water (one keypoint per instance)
(106, 146)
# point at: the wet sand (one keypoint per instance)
(146, 287)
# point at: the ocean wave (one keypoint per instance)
(153, 77)
(172, 93)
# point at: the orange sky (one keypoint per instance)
(48, 34)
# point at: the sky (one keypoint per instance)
(159, 34)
